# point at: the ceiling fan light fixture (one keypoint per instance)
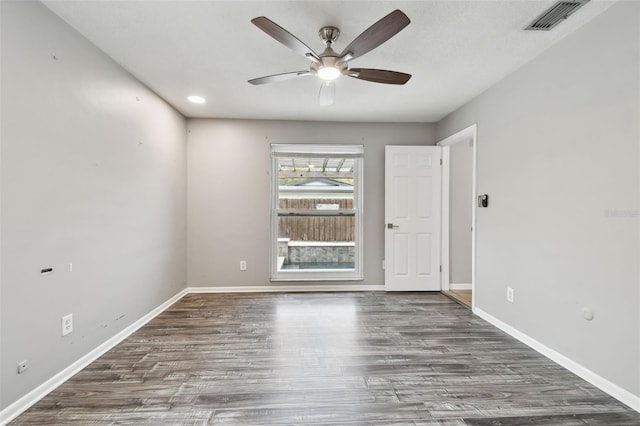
(329, 73)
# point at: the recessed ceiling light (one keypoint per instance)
(196, 99)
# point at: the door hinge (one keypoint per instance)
(441, 161)
(383, 265)
(440, 268)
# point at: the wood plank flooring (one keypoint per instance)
(324, 359)
(460, 296)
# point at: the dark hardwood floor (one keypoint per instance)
(324, 358)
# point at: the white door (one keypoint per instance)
(412, 218)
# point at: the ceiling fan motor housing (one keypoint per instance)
(334, 66)
(329, 34)
(329, 60)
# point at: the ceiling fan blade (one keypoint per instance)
(279, 77)
(376, 34)
(327, 93)
(284, 37)
(379, 76)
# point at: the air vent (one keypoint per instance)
(556, 14)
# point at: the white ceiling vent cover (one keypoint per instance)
(556, 14)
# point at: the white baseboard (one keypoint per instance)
(285, 288)
(600, 382)
(22, 404)
(460, 286)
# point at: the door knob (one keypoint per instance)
(392, 226)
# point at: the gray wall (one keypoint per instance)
(90, 176)
(228, 208)
(558, 154)
(460, 211)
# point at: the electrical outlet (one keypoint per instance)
(67, 324)
(22, 366)
(510, 294)
(243, 265)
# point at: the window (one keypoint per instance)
(316, 214)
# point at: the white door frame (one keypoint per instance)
(470, 133)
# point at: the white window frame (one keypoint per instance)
(311, 150)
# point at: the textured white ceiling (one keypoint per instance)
(454, 49)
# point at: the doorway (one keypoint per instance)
(412, 218)
(459, 216)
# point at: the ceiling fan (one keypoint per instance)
(329, 65)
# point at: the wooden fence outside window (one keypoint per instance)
(316, 228)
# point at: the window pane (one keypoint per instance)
(316, 217)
